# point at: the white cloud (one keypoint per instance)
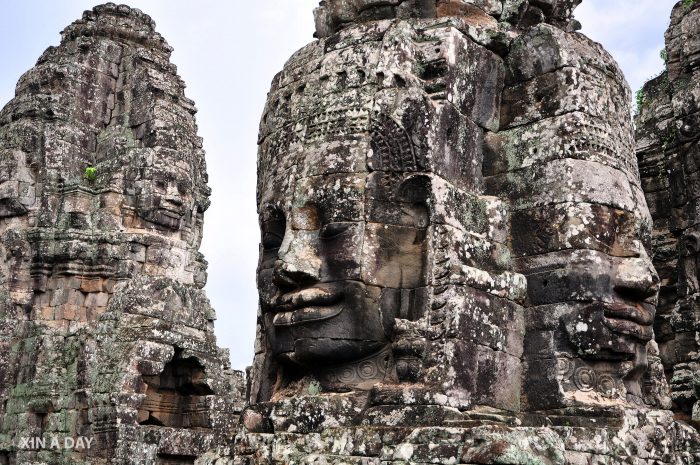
(632, 31)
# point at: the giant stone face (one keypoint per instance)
(335, 273)
(164, 192)
(16, 184)
(332, 268)
(380, 176)
(102, 195)
(370, 197)
(581, 227)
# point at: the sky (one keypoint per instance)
(228, 51)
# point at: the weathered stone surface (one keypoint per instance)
(455, 263)
(388, 110)
(667, 147)
(106, 332)
(335, 15)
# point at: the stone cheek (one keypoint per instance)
(105, 330)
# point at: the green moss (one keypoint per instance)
(689, 3)
(681, 84)
(514, 159)
(521, 457)
(90, 174)
(503, 259)
(668, 141)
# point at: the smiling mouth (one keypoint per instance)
(306, 306)
(174, 214)
(633, 321)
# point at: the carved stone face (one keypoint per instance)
(590, 276)
(603, 264)
(598, 289)
(15, 184)
(353, 159)
(611, 315)
(330, 280)
(617, 326)
(164, 196)
(581, 225)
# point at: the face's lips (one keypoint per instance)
(310, 297)
(629, 328)
(307, 305)
(306, 315)
(636, 313)
(175, 214)
(631, 320)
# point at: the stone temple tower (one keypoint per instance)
(106, 336)
(455, 248)
(668, 148)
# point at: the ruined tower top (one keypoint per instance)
(119, 23)
(110, 92)
(333, 15)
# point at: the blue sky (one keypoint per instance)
(227, 52)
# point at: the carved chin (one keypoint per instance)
(599, 336)
(167, 219)
(323, 351)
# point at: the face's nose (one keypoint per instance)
(172, 194)
(298, 264)
(636, 279)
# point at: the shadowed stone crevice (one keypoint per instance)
(164, 459)
(175, 397)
